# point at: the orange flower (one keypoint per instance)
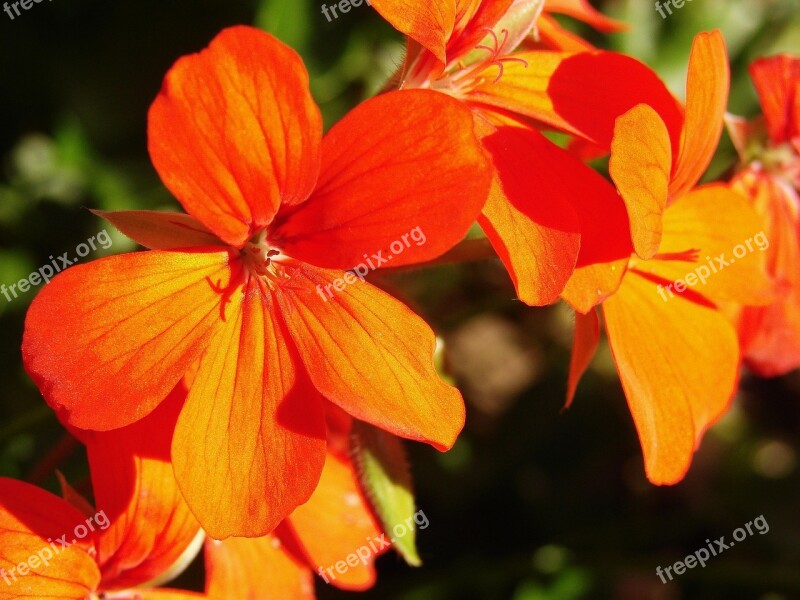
(547, 212)
(145, 535)
(770, 178)
(676, 353)
(553, 35)
(250, 288)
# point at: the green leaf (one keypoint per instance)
(382, 467)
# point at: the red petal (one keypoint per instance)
(124, 328)
(387, 185)
(371, 355)
(250, 442)
(151, 526)
(234, 132)
(777, 81)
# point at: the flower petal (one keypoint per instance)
(107, 342)
(640, 166)
(30, 519)
(586, 339)
(250, 442)
(335, 523)
(707, 85)
(429, 23)
(389, 169)
(234, 132)
(160, 230)
(371, 355)
(678, 364)
(256, 568)
(583, 11)
(704, 235)
(151, 527)
(777, 81)
(529, 216)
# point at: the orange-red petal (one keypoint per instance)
(583, 11)
(707, 85)
(235, 133)
(529, 217)
(160, 230)
(151, 527)
(106, 342)
(337, 522)
(250, 442)
(368, 353)
(431, 24)
(387, 184)
(678, 363)
(585, 340)
(256, 568)
(777, 81)
(34, 561)
(640, 164)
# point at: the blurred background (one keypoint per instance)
(533, 503)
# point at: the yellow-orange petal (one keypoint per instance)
(160, 230)
(235, 133)
(640, 164)
(149, 527)
(107, 342)
(46, 549)
(714, 243)
(707, 85)
(250, 441)
(678, 363)
(371, 355)
(387, 186)
(256, 568)
(337, 522)
(585, 340)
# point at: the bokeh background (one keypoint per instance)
(533, 503)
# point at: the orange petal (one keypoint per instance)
(256, 568)
(640, 165)
(552, 35)
(583, 11)
(234, 132)
(509, 20)
(36, 558)
(714, 243)
(529, 216)
(250, 442)
(371, 355)
(430, 24)
(130, 325)
(160, 230)
(777, 81)
(585, 340)
(582, 93)
(387, 186)
(165, 594)
(336, 523)
(707, 85)
(151, 528)
(678, 364)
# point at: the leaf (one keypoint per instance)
(382, 467)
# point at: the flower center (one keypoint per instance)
(263, 260)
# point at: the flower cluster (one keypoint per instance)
(229, 407)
